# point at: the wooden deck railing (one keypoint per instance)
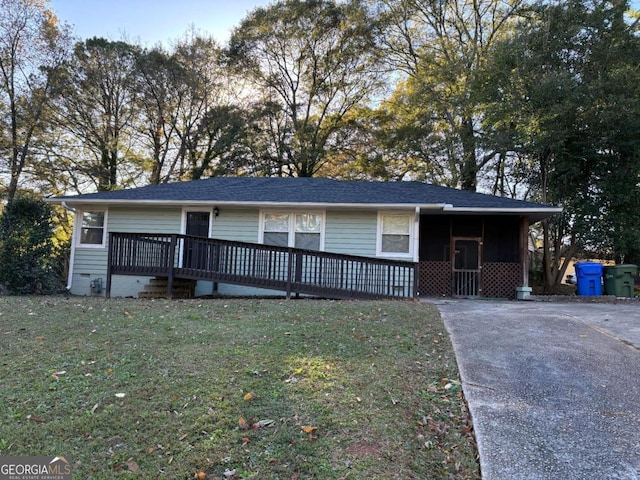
(292, 270)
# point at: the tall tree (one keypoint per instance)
(441, 47)
(98, 110)
(33, 48)
(311, 62)
(564, 93)
(189, 124)
(159, 85)
(210, 121)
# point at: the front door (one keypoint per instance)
(195, 252)
(466, 267)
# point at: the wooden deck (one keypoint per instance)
(291, 270)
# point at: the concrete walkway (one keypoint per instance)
(553, 388)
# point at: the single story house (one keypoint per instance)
(233, 235)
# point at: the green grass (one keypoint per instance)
(378, 381)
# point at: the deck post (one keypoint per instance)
(290, 260)
(107, 292)
(170, 265)
(298, 270)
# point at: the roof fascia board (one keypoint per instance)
(524, 210)
(169, 203)
(444, 207)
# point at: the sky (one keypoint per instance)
(148, 22)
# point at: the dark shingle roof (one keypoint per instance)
(256, 190)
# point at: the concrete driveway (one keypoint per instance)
(553, 388)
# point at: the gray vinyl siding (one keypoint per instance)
(241, 226)
(91, 263)
(144, 220)
(351, 232)
(238, 225)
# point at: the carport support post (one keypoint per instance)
(522, 292)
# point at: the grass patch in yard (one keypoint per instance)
(265, 389)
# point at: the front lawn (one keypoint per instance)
(264, 389)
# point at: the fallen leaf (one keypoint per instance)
(132, 466)
(201, 475)
(263, 423)
(35, 419)
(242, 423)
(309, 431)
(245, 440)
(40, 337)
(248, 396)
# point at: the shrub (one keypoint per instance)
(26, 247)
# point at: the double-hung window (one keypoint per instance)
(293, 229)
(308, 230)
(276, 229)
(92, 228)
(395, 237)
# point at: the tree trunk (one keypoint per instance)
(469, 171)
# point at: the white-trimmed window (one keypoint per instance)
(93, 228)
(395, 237)
(293, 229)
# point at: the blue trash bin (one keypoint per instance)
(589, 278)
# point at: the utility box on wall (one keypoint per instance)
(95, 286)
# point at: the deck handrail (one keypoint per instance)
(288, 269)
